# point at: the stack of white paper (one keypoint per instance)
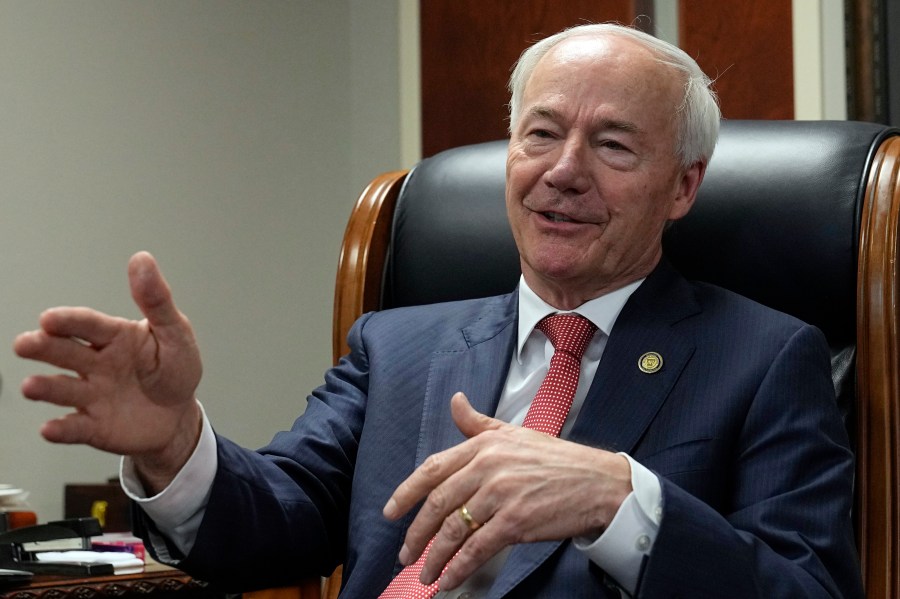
(122, 563)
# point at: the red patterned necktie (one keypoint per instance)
(570, 335)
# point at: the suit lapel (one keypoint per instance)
(623, 400)
(477, 365)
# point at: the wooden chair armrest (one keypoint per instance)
(878, 396)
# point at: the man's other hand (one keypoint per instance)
(518, 486)
(131, 384)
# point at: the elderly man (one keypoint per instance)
(460, 446)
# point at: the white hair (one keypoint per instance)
(698, 115)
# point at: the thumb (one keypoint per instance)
(469, 421)
(150, 291)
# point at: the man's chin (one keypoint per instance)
(560, 264)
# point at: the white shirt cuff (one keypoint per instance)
(621, 549)
(179, 508)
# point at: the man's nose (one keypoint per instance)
(569, 171)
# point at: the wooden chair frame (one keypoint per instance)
(357, 289)
(878, 378)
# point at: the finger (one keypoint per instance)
(86, 324)
(476, 551)
(424, 479)
(454, 532)
(151, 292)
(458, 536)
(64, 352)
(59, 389)
(440, 512)
(439, 507)
(71, 428)
(469, 421)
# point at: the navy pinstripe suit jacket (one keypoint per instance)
(740, 425)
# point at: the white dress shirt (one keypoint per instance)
(619, 551)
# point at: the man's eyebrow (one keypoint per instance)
(623, 126)
(544, 112)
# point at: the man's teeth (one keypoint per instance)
(559, 218)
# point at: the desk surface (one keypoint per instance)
(156, 580)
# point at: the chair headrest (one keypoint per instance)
(776, 219)
(450, 238)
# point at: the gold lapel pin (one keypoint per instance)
(650, 362)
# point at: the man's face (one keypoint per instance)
(592, 175)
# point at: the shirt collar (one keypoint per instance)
(602, 311)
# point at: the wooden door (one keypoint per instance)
(469, 46)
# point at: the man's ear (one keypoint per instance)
(686, 192)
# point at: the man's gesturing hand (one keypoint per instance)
(134, 383)
(521, 485)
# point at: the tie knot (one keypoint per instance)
(570, 333)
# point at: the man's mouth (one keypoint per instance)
(557, 217)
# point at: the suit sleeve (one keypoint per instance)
(278, 515)
(787, 529)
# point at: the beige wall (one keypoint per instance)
(229, 138)
(820, 74)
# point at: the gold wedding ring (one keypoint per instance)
(467, 518)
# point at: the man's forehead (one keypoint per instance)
(639, 68)
(589, 46)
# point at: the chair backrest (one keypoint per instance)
(800, 216)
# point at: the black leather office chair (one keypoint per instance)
(801, 216)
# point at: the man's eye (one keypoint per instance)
(541, 133)
(612, 145)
